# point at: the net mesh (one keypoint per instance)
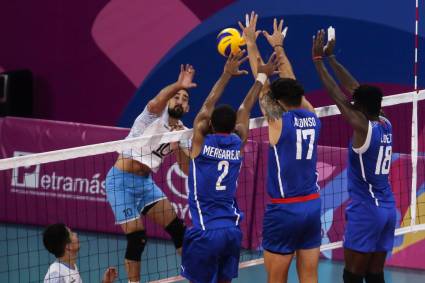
(69, 186)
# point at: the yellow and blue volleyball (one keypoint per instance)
(229, 41)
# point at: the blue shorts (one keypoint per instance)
(293, 226)
(211, 255)
(369, 228)
(128, 194)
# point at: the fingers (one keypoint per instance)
(181, 68)
(243, 72)
(266, 34)
(255, 19)
(274, 24)
(243, 60)
(246, 20)
(280, 25)
(285, 30)
(241, 25)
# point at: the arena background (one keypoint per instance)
(99, 62)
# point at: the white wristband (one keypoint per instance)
(262, 78)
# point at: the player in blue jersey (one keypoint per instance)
(371, 214)
(292, 220)
(211, 247)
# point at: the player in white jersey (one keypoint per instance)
(130, 189)
(64, 245)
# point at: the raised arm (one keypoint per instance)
(201, 123)
(243, 114)
(354, 117)
(342, 74)
(184, 81)
(250, 35)
(270, 109)
(276, 42)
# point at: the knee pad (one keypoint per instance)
(176, 230)
(375, 277)
(136, 242)
(351, 277)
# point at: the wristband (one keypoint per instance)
(317, 58)
(262, 78)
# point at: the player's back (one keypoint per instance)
(369, 166)
(213, 180)
(292, 161)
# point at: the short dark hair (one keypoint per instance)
(223, 119)
(368, 98)
(287, 90)
(55, 238)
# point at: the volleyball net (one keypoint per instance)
(68, 186)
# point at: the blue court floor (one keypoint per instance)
(24, 259)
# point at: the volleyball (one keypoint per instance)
(229, 41)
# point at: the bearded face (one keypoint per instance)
(176, 112)
(178, 105)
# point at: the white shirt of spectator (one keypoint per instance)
(61, 273)
(147, 124)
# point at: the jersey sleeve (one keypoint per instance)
(142, 121)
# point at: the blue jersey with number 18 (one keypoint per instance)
(369, 166)
(213, 177)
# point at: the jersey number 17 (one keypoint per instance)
(304, 135)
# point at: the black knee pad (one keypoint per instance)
(176, 230)
(351, 277)
(375, 277)
(136, 242)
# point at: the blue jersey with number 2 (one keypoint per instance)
(369, 166)
(213, 177)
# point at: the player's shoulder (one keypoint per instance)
(53, 274)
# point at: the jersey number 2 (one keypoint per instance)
(305, 134)
(384, 160)
(222, 165)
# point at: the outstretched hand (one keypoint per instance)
(234, 62)
(185, 79)
(278, 35)
(317, 49)
(271, 67)
(249, 32)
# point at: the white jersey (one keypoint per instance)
(147, 124)
(59, 272)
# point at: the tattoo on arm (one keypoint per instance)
(271, 109)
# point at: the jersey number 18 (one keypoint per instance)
(384, 160)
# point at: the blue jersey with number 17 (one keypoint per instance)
(292, 161)
(369, 166)
(213, 177)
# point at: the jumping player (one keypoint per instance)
(292, 220)
(371, 215)
(130, 189)
(211, 247)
